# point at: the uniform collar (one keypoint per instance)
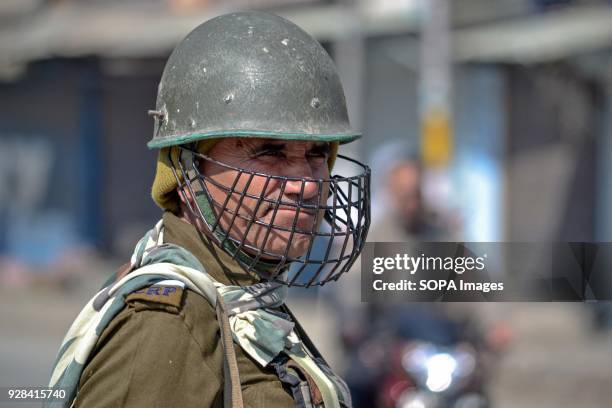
(217, 262)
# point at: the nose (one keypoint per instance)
(294, 188)
(304, 187)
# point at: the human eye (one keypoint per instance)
(271, 153)
(268, 150)
(319, 151)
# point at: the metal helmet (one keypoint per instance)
(250, 74)
(255, 74)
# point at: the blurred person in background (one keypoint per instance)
(373, 330)
(243, 175)
(399, 211)
(399, 214)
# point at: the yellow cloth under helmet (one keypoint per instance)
(164, 185)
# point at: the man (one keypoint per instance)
(400, 215)
(249, 116)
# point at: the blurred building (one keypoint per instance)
(531, 109)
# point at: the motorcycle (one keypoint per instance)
(419, 358)
(427, 375)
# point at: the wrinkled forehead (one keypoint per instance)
(257, 142)
(270, 156)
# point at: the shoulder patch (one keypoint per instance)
(167, 292)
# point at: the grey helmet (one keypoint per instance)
(250, 74)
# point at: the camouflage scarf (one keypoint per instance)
(261, 333)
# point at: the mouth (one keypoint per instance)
(305, 210)
(292, 210)
(287, 216)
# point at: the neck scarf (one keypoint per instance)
(260, 331)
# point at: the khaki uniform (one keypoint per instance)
(163, 349)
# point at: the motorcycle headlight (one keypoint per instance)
(419, 400)
(415, 359)
(440, 370)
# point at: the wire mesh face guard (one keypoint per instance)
(316, 247)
